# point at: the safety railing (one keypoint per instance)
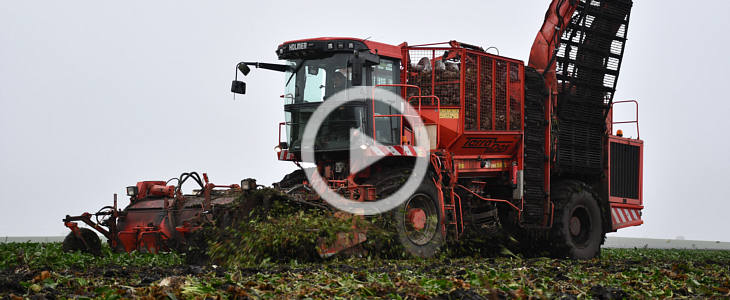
(636, 118)
(279, 141)
(401, 115)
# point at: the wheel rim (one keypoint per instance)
(579, 226)
(420, 219)
(417, 218)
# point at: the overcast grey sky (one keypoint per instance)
(95, 96)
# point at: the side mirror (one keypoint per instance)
(357, 71)
(238, 87)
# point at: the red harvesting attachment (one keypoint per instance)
(158, 218)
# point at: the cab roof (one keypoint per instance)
(374, 47)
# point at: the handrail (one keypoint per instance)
(461, 215)
(489, 199)
(636, 120)
(429, 45)
(400, 134)
(280, 124)
(438, 101)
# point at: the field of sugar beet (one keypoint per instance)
(43, 270)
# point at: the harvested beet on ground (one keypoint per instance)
(266, 226)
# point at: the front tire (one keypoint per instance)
(578, 226)
(418, 221)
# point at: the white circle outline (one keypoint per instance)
(421, 145)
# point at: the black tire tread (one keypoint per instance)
(563, 192)
(388, 182)
(433, 246)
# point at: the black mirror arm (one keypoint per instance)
(268, 66)
(370, 59)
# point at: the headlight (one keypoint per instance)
(132, 191)
(248, 184)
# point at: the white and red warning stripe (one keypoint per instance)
(624, 216)
(285, 155)
(381, 150)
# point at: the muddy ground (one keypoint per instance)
(41, 271)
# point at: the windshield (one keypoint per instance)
(333, 133)
(317, 79)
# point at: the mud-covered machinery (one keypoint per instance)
(525, 148)
(159, 216)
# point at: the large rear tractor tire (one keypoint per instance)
(578, 228)
(418, 221)
(93, 244)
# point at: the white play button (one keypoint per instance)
(359, 158)
(359, 144)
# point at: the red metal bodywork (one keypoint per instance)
(158, 218)
(483, 141)
(478, 117)
(466, 110)
(375, 47)
(548, 39)
(625, 211)
(479, 124)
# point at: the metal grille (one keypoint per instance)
(470, 92)
(485, 90)
(493, 89)
(446, 80)
(501, 96)
(419, 71)
(587, 68)
(515, 97)
(580, 147)
(591, 49)
(434, 76)
(625, 162)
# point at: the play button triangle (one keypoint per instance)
(360, 157)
